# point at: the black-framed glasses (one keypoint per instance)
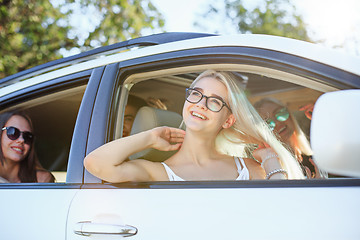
(14, 133)
(282, 115)
(214, 104)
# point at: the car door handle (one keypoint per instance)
(88, 228)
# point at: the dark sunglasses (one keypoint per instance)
(282, 115)
(13, 133)
(212, 103)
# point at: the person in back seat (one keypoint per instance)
(220, 125)
(18, 161)
(284, 124)
(132, 107)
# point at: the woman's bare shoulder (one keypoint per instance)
(3, 180)
(44, 176)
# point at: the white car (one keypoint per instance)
(77, 104)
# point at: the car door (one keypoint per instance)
(291, 209)
(40, 210)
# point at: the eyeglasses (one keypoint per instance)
(214, 104)
(282, 115)
(13, 133)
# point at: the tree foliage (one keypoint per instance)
(272, 17)
(33, 31)
(29, 34)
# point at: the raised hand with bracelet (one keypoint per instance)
(270, 163)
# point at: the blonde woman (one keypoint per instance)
(221, 126)
(286, 127)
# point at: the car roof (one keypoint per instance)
(168, 42)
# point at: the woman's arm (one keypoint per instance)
(108, 162)
(270, 163)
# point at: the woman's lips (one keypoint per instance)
(282, 129)
(198, 115)
(18, 149)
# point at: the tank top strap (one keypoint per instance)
(171, 175)
(239, 165)
(242, 169)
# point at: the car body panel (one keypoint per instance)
(80, 134)
(34, 211)
(223, 213)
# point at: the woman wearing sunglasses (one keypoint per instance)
(18, 161)
(221, 125)
(285, 125)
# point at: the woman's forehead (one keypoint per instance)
(269, 108)
(19, 122)
(211, 84)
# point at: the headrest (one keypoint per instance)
(148, 118)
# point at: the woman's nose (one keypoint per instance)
(20, 139)
(202, 103)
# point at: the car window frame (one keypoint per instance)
(336, 79)
(20, 97)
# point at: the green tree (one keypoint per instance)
(33, 31)
(273, 17)
(29, 34)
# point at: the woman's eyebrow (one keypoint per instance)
(212, 95)
(199, 89)
(128, 115)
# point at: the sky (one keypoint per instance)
(334, 22)
(330, 22)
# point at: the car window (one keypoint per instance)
(294, 95)
(53, 116)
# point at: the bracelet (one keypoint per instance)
(267, 158)
(283, 171)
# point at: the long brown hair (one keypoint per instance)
(28, 166)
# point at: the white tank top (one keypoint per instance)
(241, 168)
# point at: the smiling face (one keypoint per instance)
(15, 150)
(198, 117)
(284, 129)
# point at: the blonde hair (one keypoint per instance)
(302, 142)
(249, 128)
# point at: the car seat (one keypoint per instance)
(148, 118)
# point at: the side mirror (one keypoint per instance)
(335, 132)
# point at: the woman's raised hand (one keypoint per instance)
(263, 152)
(167, 138)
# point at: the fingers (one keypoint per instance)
(177, 131)
(308, 109)
(176, 135)
(172, 134)
(263, 145)
(168, 138)
(261, 153)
